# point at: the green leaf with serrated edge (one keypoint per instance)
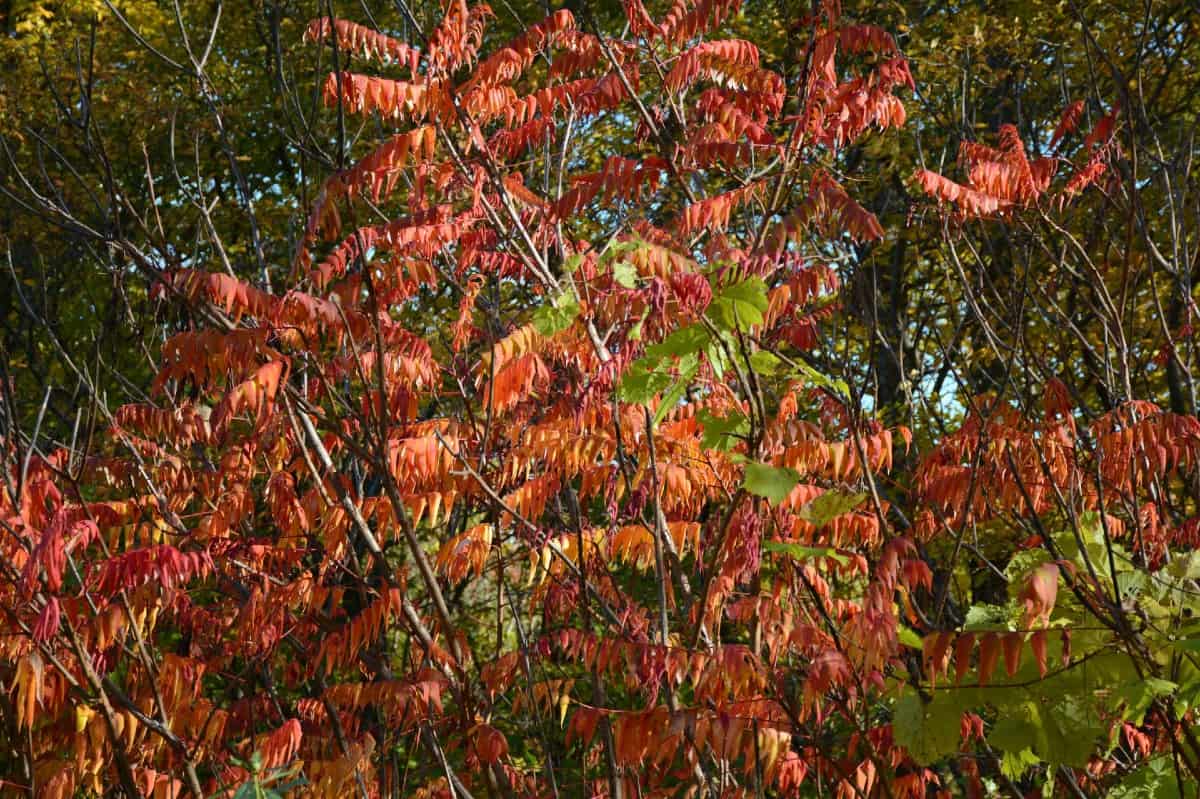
(1014, 764)
(1012, 733)
(1074, 731)
(640, 384)
(624, 274)
(801, 552)
(684, 341)
(928, 730)
(557, 315)
(751, 292)
(772, 482)
(1058, 729)
(765, 363)
(650, 374)
(812, 376)
(1140, 694)
(985, 617)
(740, 306)
(829, 506)
(720, 432)
(617, 249)
(671, 398)
(716, 357)
(1155, 778)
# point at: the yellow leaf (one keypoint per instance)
(83, 715)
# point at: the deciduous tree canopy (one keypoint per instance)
(700, 398)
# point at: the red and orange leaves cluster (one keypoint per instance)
(1003, 179)
(258, 561)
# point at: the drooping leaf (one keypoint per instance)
(829, 506)
(772, 482)
(672, 396)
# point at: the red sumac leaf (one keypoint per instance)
(989, 655)
(46, 626)
(1012, 652)
(489, 744)
(937, 646)
(962, 655)
(1037, 643)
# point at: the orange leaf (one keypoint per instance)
(936, 649)
(989, 654)
(1012, 652)
(962, 655)
(1037, 643)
